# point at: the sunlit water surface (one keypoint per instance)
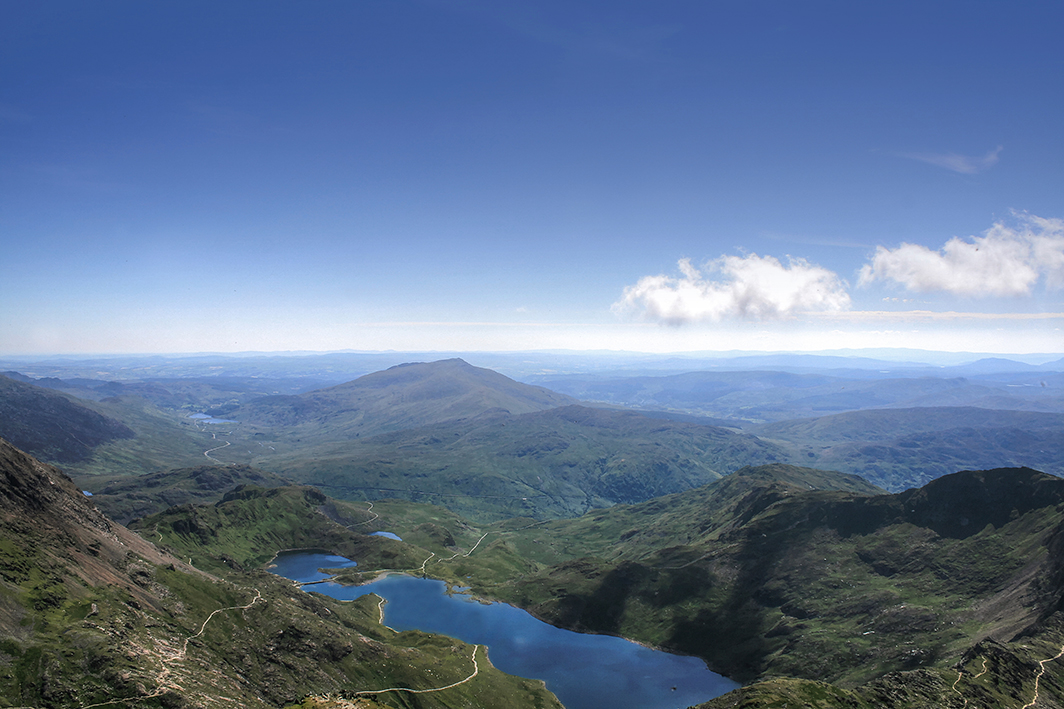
(583, 671)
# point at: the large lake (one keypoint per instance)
(583, 671)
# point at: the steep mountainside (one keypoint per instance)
(555, 463)
(51, 425)
(405, 396)
(902, 448)
(93, 615)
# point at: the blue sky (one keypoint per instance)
(428, 175)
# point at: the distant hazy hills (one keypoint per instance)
(902, 448)
(485, 444)
(402, 397)
(758, 396)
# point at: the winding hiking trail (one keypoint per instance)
(168, 656)
(1038, 677)
(960, 675)
(371, 519)
(458, 553)
(476, 671)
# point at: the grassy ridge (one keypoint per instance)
(54, 426)
(774, 585)
(163, 440)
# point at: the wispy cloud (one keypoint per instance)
(964, 164)
(746, 287)
(1005, 261)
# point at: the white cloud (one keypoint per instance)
(1003, 262)
(965, 164)
(750, 287)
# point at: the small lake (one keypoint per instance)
(583, 671)
(206, 418)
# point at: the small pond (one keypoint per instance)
(583, 671)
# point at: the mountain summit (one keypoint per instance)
(402, 397)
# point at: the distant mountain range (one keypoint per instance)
(902, 448)
(486, 444)
(336, 367)
(759, 396)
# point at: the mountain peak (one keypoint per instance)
(402, 397)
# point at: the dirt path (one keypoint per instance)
(476, 670)
(169, 655)
(1038, 677)
(371, 519)
(458, 553)
(960, 674)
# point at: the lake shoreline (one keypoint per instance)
(349, 581)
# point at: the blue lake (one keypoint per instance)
(206, 418)
(583, 671)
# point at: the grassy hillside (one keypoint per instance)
(821, 584)
(162, 440)
(556, 463)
